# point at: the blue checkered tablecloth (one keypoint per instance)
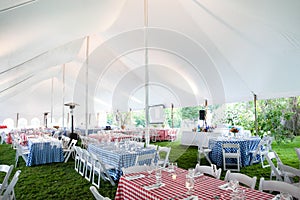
(246, 145)
(44, 151)
(117, 158)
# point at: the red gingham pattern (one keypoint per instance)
(205, 188)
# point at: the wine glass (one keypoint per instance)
(189, 183)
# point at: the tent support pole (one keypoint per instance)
(146, 71)
(255, 114)
(17, 122)
(52, 96)
(63, 95)
(87, 85)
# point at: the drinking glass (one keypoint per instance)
(285, 196)
(149, 170)
(175, 166)
(189, 183)
(233, 184)
(191, 172)
(158, 176)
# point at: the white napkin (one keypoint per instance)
(129, 178)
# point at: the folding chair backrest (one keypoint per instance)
(96, 194)
(242, 178)
(9, 192)
(164, 158)
(145, 159)
(209, 170)
(288, 171)
(6, 169)
(279, 186)
(271, 157)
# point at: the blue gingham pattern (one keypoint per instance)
(42, 152)
(246, 145)
(117, 158)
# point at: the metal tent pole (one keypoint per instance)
(255, 114)
(146, 71)
(87, 86)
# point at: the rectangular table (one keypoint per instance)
(117, 158)
(205, 187)
(44, 150)
(246, 145)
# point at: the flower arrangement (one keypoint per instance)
(122, 117)
(234, 130)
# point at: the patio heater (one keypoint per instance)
(45, 119)
(72, 106)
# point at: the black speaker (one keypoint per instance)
(202, 114)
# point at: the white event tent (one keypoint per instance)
(95, 52)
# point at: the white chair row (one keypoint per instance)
(91, 167)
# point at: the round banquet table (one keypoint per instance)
(246, 145)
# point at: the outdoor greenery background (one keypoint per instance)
(276, 117)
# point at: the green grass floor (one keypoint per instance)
(61, 181)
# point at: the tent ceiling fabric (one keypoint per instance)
(198, 49)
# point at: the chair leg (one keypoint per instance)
(207, 158)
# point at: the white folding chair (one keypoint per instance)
(152, 146)
(153, 135)
(163, 154)
(298, 154)
(209, 170)
(203, 150)
(97, 195)
(100, 171)
(78, 155)
(83, 162)
(289, 173)
(231, 151)
(9, 193)
(69, 150)
(145, 159)
(3, 137)
(172, 134)
(274, 161)
(22, 151)
(89, 166)
(279, 186)
(241, 178)
(7, 170)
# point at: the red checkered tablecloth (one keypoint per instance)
(205, 188)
